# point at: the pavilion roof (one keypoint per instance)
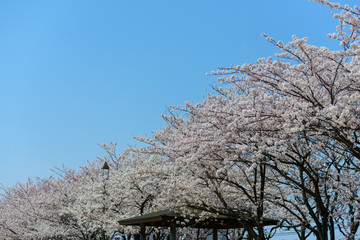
(194, 220)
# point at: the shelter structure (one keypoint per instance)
(192, 219)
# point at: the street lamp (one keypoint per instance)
(105, 173)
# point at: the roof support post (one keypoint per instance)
(172, 230)
(250, 235)
(142, 231)
(215, 234)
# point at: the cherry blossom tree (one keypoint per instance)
(32, 210)
(292, 120)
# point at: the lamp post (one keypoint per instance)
(105, 171)
(105, 174)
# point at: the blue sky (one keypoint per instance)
(77, 73)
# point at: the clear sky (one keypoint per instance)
(77, 73)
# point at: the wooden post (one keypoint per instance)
(102, 234)
(142, 231)
(172, 230)
(215, 234)
(250, 235)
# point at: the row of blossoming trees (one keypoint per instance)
(278, 138)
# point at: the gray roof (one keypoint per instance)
(165, 217)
